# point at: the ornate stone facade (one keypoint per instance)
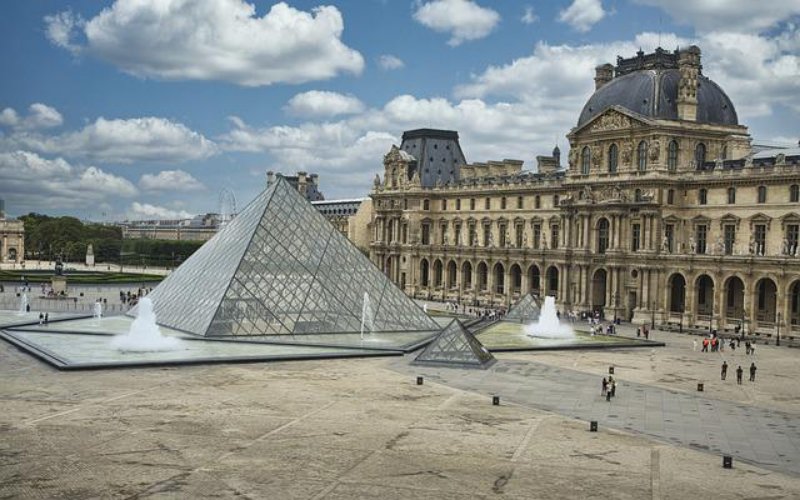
(12, 238)
(664, 220)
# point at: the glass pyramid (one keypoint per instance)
(281, 268)
(525, 310)
(455, 346)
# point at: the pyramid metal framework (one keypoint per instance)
(526, 309)
(281, 268)
(455, 346)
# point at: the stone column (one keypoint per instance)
(4, 249)
(586, 224)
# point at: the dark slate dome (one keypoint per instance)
(654, 93)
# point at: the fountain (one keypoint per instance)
(549, 326)
(23, 305)
(367, 316)
(144, 335)
(97, 313)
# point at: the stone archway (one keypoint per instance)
(734, 299)
(704, 297)
(516, 279)
(766, 301)
(452, 271)
(424, 272)
(533, 279)
(499, 275)
(677, 293)
(437, 273)
(466, 275)
(794, 306)
(599, 290)
(483, 276)
(552, 281)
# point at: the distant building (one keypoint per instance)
(198, 228)
(306, 184)
(12, 232)
(350, 217)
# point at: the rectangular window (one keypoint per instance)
(405, 203)
(669, 232)
(426, 234)
(457, 233)
(502, 230)
(671, 197)
(473, 235)
(458, 204)
(537, 236)
(404, 233)
(518, 230)
(537, 202)
(503, 203)
(731, 196)
(472, 203)
(701, 234)
(443, 235)
(487, 231)
(760, 234)
(555, 201)
(729, 238)
(792, 237)
(487, 204)
(519, 202)
(703, 196)
(426, 205)
(444, 205)
(636, 234)
(554, 237)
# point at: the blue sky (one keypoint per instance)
(147, 108)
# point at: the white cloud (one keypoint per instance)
(147, 211)
(464, 20)
(32, 182)
(389, 62)
(212, 40)
(728, 15)
(529, 17)
(62, 28)
(170, 180)
(582, 14)
(148, 139)
(323, 103)
(39, 116)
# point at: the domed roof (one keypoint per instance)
(654, 93)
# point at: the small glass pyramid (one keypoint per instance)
(525, 310)
(455, 346)
(281, 268)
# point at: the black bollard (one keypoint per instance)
(496, 400)
(419, 380)
(593, 426)
(699, 387)
(727, 462)
(611, 370)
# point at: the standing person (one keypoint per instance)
(732, 345)
(753, 349)
(747, 347)
(739, 372)
(705, 345)
(724, 369)
(41, 318)
(605, 387)
(613, 388)
(753, 372)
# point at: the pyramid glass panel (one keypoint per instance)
(455, 346)
(280, 268)
(525, 310)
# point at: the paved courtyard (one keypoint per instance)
(363, 429)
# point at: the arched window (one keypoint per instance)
(794, 193)
(423, 273)
(602, 235)
(672, 156)
(724, 153)
(641, 156)
(762, 194)
(702, 196)
(613, 155)
(731, 195)
(700, 155)
(586, 158)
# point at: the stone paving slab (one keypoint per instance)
(764, 437)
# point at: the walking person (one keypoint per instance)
(753, 372)
(724, 369)
(739, 372)
(41, 318)
(605, 387)
(753, 349)
(614, 389)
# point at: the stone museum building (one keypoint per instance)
(664, 211)
(12, 238)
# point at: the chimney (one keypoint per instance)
(302, 182)
(315, 179)
(2, 209)
(557, 156)
(270, 178)
(602, 75)
(689, 68)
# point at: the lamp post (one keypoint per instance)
(653, 315)
(778, 330)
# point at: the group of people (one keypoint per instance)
(609, 389)
(739, 372)
(44, 318)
